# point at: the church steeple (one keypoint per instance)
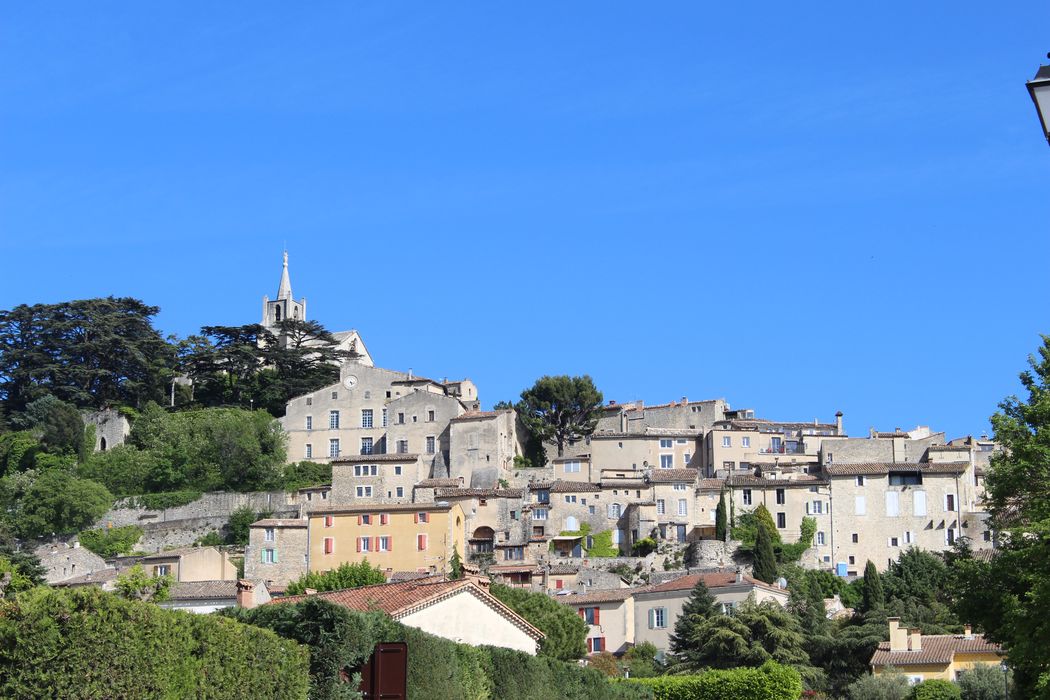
(284, 291)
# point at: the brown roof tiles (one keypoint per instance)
(936, 649)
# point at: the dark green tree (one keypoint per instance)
(455, 565)
(764, 567)
(90, 353)
(721, 519)
(935, 689)
(566, 631)
(343, 576)
(238, 527)
(61, 504)
(561, 409)
(697, 608)
(874, 597)
(56, 424)
(1008, 596)
(125, 470)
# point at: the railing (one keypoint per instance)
(783, 450)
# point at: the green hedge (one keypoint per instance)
(111, 542)
(770, 681)
(341, 639)
(88, 644)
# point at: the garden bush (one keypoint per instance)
(935, 689)
(88, 644)
(112, 541)
(771, 681)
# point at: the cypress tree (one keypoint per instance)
(765, 566)
(696, 609)
(455, 564)
(721, 521)
(874, 597)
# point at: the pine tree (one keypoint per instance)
(698, 607)
(874, 597)
(765, 566)
(721, 522)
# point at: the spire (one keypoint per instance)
(285, 290)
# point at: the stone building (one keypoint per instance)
(63, 562)
(277, 551)
(651, 447)
(636, 417)
(484, 445)
(111, 428)
(744, 442)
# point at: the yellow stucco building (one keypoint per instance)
(924, 656)
(417, 537)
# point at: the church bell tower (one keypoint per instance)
(284, 306)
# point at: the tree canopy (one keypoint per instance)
(566, 632)
(345, 575)
(560, 409)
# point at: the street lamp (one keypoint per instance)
(1039, 89)
(1006, 670)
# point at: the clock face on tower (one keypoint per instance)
(350, 381)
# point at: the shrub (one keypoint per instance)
(300, 475)
(345, 575)
(212, 539)
(238, 527)
(643, 547)
(98, 645)
(566, 632)
(112, 541)
(771, 681)
(62, 504)
(935, 689)
(891, 685)
(983, 682)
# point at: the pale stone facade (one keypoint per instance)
(276, 551)
(62, 562)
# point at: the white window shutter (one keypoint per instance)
(652, 618)
(919, 503)
(861, 505)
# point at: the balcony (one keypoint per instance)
(783, 450)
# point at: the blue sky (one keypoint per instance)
(800, 209)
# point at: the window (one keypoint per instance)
(384, 544)
(614, 510)
(384, 417)
(781, 496)
(384, 519)
(308, 452)
(423, 517)
(679, 487)
(590, 615)
(918, 502)
(397, 470)
(860, 481)
(666, 443)
(430, 415)
(309, 422)
(747, 497)
(400, 491)
(949, 536)
(661, 507)
(335, 395)
(816, 508)
(909, 537)
(852, 560)
(402, 447)
(421, 542)
(366, 445)
(365, 519)
(333, 420)
(162, 570)
(269, 556)
(572, 524)
(745, 441)
(366, 470)
(543, 496)
(570, 499)
(430, 445)
(514, 553)
(309, 401)
(364, 491)
(333, 447)
(893, 506)
(730, 465)
(781, 520)
(895, 542)
(949, 502)
(366, 418)
(666, 461)
(400, 418)
(683, 507)
(329, 520)
(727, 441)
(906, 479)
(860, 505)
(856, 538)
(820, 539)
(657, 618)
(329, 545)
(269, 534)
(688, 458)
(591, 509)
(540, 514)
(364, 544)
(572, 467)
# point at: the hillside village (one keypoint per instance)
(619, 525)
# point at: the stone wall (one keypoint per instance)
(111, 428)
(210, 505)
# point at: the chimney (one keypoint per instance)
(898, 635)
(739, 576)
(967, 631)
(838, 423)
(915, 639)
(245, 594)
(685, 400)
(409, 372)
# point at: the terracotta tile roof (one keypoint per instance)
(663, 476)
(369, 459)
(399, 576)
(711, 484)
(573, 487)
(280, 522)
(624, 484)
(936, 649)
(649, 433)
(577, 458)
(564, 569)
(949, 448)
(718, 579)
(877, 468)
(95, 578)
(514, 568)
(405, 597)
(438, 483)
(203, 590)
(746, 423)
(615, 595)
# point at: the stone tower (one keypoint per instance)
(284, 306)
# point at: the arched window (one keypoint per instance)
(614, 510)
(277, 313)
(572, 524)
(102, 444)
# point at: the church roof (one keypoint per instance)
(284, 291)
